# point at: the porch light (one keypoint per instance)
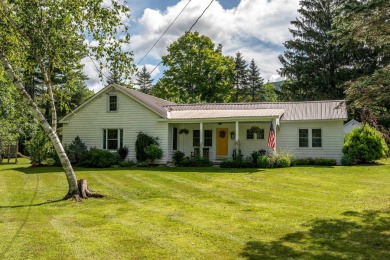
(232, 135)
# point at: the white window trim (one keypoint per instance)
(310, 137)
(108, 103)
(118, 141)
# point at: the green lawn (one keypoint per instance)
(183, 213)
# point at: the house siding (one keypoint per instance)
(131, 116)
(287, 138)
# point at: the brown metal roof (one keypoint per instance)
(308, 110)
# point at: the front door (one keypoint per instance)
(222, 142)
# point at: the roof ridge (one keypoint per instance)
(255, 103)
(141, 93)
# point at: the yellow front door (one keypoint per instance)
(222, 142)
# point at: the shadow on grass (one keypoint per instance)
(31, 205)
(45, 169)
(364, 235)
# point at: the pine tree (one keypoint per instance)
(144, 82)
(114, 78)
(256, 88)
(240, 79)
(317, 66)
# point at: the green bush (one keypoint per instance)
(282, 162)
(263, 162)
(196, 162)
(143, 141)
(123, 152)
(76, 151)
(39, 148)
(98, 158)
(153, 152)
(365, 144)
(314, 161)
(239, 163)
(127, 163)
(347, 160)
(178, 157)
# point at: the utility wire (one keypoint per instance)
(192, 26)
(164, 32)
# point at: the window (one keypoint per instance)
(208, 138)
(113, 103)
(112, 139)
(316, 138)
(249, 134)
(196, 138)
(260, 135)
(303, 137)
(174, 139)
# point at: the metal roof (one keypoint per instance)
(293, 111)
(205, 114)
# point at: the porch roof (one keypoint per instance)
(224, 113)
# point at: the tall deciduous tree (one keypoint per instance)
(241, 84)
(317, 66)
(196, 71)
(45, 35)
(144, 81)
(255, 82)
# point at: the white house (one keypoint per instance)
(114, 116)
(348, 127)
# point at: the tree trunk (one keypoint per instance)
(66, 165)
(51, 100)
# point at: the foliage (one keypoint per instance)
(270, 94)
(123, 152)
(276, 160)
(77, 151)
(238, 162)
(183, 131)
(365, 144)
(262, 161)
(153, 152)
(196, 71)
(114, 77)
(256, 90)
(97, 158)
(178, 157)
(39, 148)
(195, 162)
(143, 141)
(347, 160)
(314, 161)
(240, 79)
(317, 65)
(127, 163)
(144, 81)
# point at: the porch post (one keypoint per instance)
(201, 140)
(237, 138)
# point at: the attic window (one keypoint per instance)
(112, 103)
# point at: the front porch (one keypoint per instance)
(219, 141)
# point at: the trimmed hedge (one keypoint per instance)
(314, 161)
(97, 158)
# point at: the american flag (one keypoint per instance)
(271, 138)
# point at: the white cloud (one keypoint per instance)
(257, 28)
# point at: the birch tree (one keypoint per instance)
(44, 35)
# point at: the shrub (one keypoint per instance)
(314, 161)
(153, 152)
(123, 152)
(282, 162)
(196, 162)
(178, 157)
(127, 163)
(365, 144)
(76, 151)
(347, 160)
(39, 148)
(143, 141)
(255, 155)
(263, 162)
(238, 163)
(98, 158)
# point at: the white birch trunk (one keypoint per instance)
(66, 165)
(51, 100)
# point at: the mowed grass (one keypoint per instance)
(186, 213)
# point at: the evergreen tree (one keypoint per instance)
(240, 79)
(114, 78)
(315, 64)
(256, 88)
(144, 82)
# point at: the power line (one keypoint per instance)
(164, 32)
(192, 26)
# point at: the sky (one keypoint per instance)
(256, 28)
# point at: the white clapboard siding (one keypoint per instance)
(131, 116)
(287, 138)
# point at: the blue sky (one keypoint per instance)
(256, 28)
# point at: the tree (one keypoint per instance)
(114, 78)
(44, 36)
(368, 23)
(144, 82)
(315, 64)
(270, 94)
(196, 71)
(255, 83)
(240, 79)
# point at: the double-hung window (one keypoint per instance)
(208, 138)
(316, 138)
(249, 134)
(303, 137)
(310, 137)
(112, 103)
(112, 139)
